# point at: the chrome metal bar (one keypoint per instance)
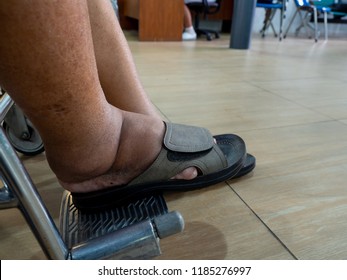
(138, 241)
(326, 25)
(168, 224)
(315, 16)
(17, 179)
(290, 23)
(7, 199)
(5, 105)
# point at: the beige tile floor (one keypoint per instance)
(288, 101)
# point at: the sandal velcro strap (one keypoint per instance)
(187, 139)
(184, 146)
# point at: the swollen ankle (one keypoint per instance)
(139, 143)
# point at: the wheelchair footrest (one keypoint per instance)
(78, 227)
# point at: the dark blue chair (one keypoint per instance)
(271, 7)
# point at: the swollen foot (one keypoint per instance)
(183, 147)
(140, 141)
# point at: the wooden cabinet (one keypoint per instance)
(157, 20)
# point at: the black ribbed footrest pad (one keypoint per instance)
(77, 226)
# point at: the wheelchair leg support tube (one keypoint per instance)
(29, 201)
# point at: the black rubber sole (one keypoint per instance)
(247, 167)
(232, 146)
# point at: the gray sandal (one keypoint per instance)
(183, 146)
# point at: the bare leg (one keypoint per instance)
(188, 31)
(48, 66)
(117, 72)
(187, 17)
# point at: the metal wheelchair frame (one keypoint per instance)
(137, 239)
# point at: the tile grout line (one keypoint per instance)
(258, 217)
